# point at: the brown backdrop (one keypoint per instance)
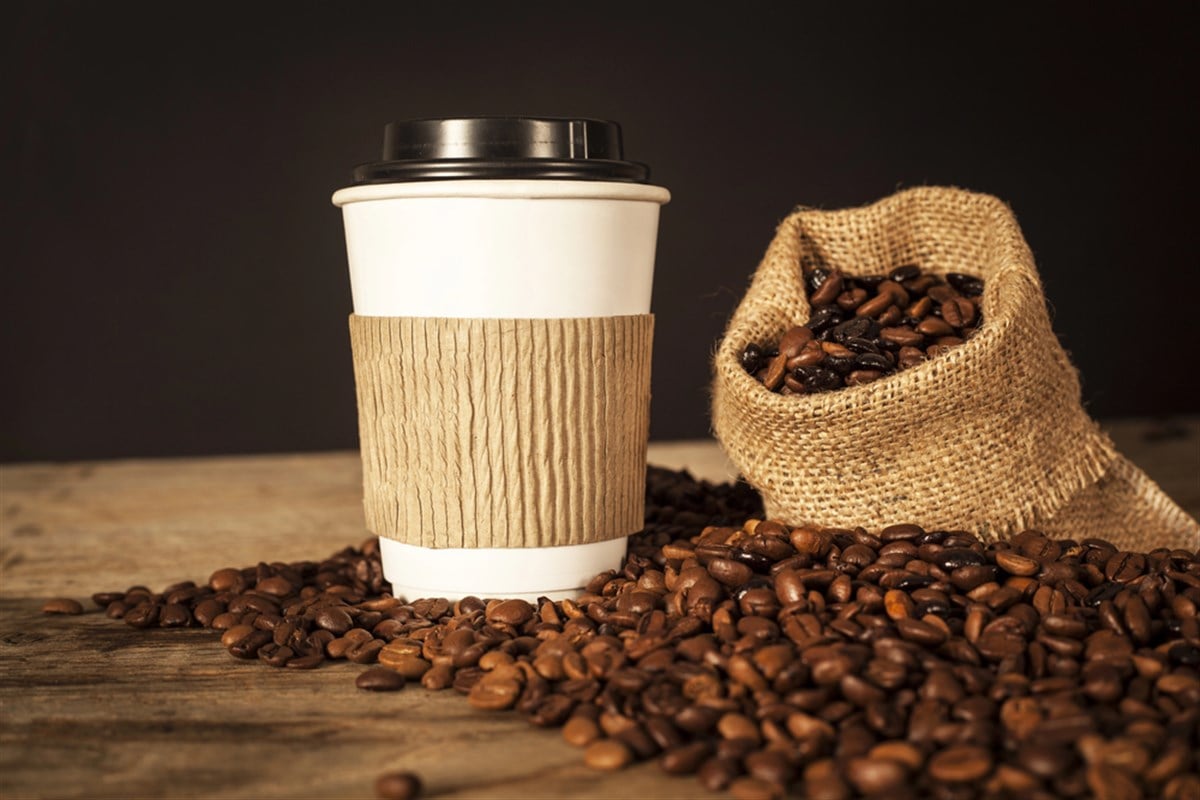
(174, 279)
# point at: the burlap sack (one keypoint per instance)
(990, 437)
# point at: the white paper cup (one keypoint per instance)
(500, 248)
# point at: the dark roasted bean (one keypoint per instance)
(62, 605)
(379, 679)
(397, 786)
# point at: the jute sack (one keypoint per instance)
(990, 437)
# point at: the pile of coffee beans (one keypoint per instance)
(865, 327)
(764, 658)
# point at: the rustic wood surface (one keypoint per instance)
(90, 708)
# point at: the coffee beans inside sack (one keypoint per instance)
(864, 328)
(981, 430)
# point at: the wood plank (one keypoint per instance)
(92, 708)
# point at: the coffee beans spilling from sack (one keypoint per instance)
(865, 327)
(763, 658)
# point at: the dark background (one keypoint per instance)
(174, 279)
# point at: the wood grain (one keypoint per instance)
(90, 708)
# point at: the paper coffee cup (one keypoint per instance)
(493, 258)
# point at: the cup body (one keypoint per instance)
(500, 249)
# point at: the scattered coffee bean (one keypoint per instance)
(62, 605)
(397, 786)
(379, 679)
(607, 754)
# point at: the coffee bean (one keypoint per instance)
(174, 615)
(494, 695)
(143, 615)
(960, 764)
(379, 679)
(876, 776)
(933, 326)
(729, 573)
(685, 759)
(335, 620)
(227, 580)
(717, 773)
(751, 788)
(958, 312)
(1016, 564)
(62, 605)
(902, 335)
(248, 646)
(823, 781)
(813, 278)
(607, 754)
(852, 299)
(1125, 567)
(794, 340)
(824, 318)
(753, 358)
(397, 786)
(915, 630)
(816, 379)
(861, 376)
(775, 371)
(968, 285)
(310, 661)
(875, 306)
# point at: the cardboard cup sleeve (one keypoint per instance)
(482, 433)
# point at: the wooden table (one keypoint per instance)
(92, 708)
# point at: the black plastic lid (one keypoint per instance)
(502, 147)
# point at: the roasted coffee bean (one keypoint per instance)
(333, 619)
(685, 759)
(753, 358)
(816, 379)
(958, 312)
(174, 615)
(873, 361)
(62, 605)
(904, 273)
(968, 285)
(960, 764)
(824, 318)
(717, 773)
(379, 679)
(1125, 567)
(248, 646)
(1016, 564)
(875, 306)
(852, 299)
(902, 336)
(876, 776)
(813, 278)
(397, 786)
(607, 754)
(934, 327)
(143, 615)
(827, 290)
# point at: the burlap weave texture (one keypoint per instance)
(503, 432)
(990, 437)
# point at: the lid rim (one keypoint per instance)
(498, 147)
(524, 169)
